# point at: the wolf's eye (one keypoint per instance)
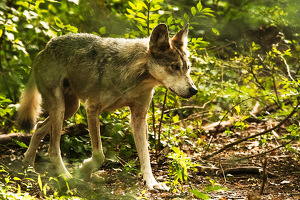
(175, 66)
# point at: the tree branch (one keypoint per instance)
(255, 135)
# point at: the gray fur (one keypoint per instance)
(105, 74)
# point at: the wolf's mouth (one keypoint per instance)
(173, 91)
(178, 94)
(183, 96)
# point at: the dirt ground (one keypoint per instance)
(241, 177)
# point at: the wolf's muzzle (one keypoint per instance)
(193, 91)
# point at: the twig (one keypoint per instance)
(191, 117)
(255, 135)
(265, 152)
(264, 176)
(254, 75)
(223, 173)
(153, 123)
(287, 68)
(275, 89)
(273, 78)
(187, 107)
(220, 47)
(230, 110)
(160, 122)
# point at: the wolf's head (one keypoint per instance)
(169, 62)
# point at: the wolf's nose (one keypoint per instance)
(193, 91)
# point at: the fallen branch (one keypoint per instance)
(76, 130)
(264, 177)
(7, 138)
(265, 152)
(187, 107)
(247, 170)
(221, 125)
(253, 136)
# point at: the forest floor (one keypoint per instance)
(233, 169)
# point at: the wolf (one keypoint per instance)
(104, 74)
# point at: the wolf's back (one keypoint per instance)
(29, 105)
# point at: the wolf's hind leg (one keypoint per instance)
(55, 105)
(41, 131)
(98, 157)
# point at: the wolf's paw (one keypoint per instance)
(85, 171)
(28, 163)
(161, 186)
(66, 175)
(83, 174)
(152, 184)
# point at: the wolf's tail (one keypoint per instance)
(30, 102)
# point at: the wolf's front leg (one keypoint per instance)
(98, 157)
(139, 128)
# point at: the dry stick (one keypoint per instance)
(275, 89)
(253, 136)
(161, 119)
(153, 124)
(287, 68)
(265, 152)
(230, 110)
(220, 164)
(274, 83)
(188, 107)
(254, 75)
(265, 176)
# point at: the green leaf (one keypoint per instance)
(129, 16)
(154, 16)
(130, 11)
(144, 5)
(238, 109)
(170, 20)
(141, 15)
(16, 178)
(40, 182)
(102, 30)
(199, 6)
(215, 31)
(186, 17)
(155, 8)
(132, 5)
(193, 11)
(72, 29)
(21, 144)
(58, 22)
(214, 188)
(207, 10)
(199, 194)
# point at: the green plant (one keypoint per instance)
(178, 168)
(7, 111)
(76, 147)
(131, 166)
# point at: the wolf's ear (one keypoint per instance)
(180, 39)
(159, 39)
